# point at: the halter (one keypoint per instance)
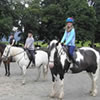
(7, 52)
(61, 53)
(13, 55)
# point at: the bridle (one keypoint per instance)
(13, 55)
(59, 53)
(7, 53)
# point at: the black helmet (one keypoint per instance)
(12, 34)
(30, 31)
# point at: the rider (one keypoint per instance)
(29, 44)
(69, 37)
(12, 40)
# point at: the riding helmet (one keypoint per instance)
(70, 19)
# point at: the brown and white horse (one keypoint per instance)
(6, 63)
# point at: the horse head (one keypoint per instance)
(6, 53)
(51, 51)
(59, 48)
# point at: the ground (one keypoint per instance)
(76, 86)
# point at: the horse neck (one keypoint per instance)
(62, 53)
(15, 50)
(52, 54)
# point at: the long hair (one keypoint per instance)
(68, 29)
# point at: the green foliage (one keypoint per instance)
(97, 8)
(47, 18)
(56, 11)
(6, 22)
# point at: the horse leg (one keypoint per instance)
(53, 91)
(21, 73)
(6, 72)
(45, 71)
(61, 83)
(24, 72)
(8, 65)
(94, 78)
(39, 72)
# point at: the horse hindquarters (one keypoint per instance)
(94, 77)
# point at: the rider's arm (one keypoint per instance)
(72, 34)
(13, 41)
(28, 43)
(64, 37)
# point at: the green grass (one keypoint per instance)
(97, 45)
(35, 43)
(86, 44)
(40, 43)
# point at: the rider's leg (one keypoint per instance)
(33, 56)
(71, 51)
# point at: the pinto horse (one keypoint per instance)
(87, 59)
(22, 59)
(6, 63)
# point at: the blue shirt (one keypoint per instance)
(69, 38)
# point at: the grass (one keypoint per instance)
(86, 44)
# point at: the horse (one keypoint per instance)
(6, 63)
(87, 59)
(22, 59)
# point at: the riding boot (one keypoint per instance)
(75, 68)
(33, 60)
(32, 56)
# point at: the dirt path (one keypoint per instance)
(76, 86)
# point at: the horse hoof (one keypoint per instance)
(53, 95)
(93, 93)
(5, 74)
(8, 75)
(60, 97)
(23, 83)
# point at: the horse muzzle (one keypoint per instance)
(51, 64)
(4, 58)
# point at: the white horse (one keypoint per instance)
(21, 57)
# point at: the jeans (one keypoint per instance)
(71, 50)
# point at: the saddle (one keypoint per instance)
(65, 48)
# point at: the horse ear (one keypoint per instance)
(57, 43)
(62, 44)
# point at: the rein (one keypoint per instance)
(13, 55)
(18, 53)
(59, 53)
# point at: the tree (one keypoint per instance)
(97, 8)
(56, 11)
(6, 22)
